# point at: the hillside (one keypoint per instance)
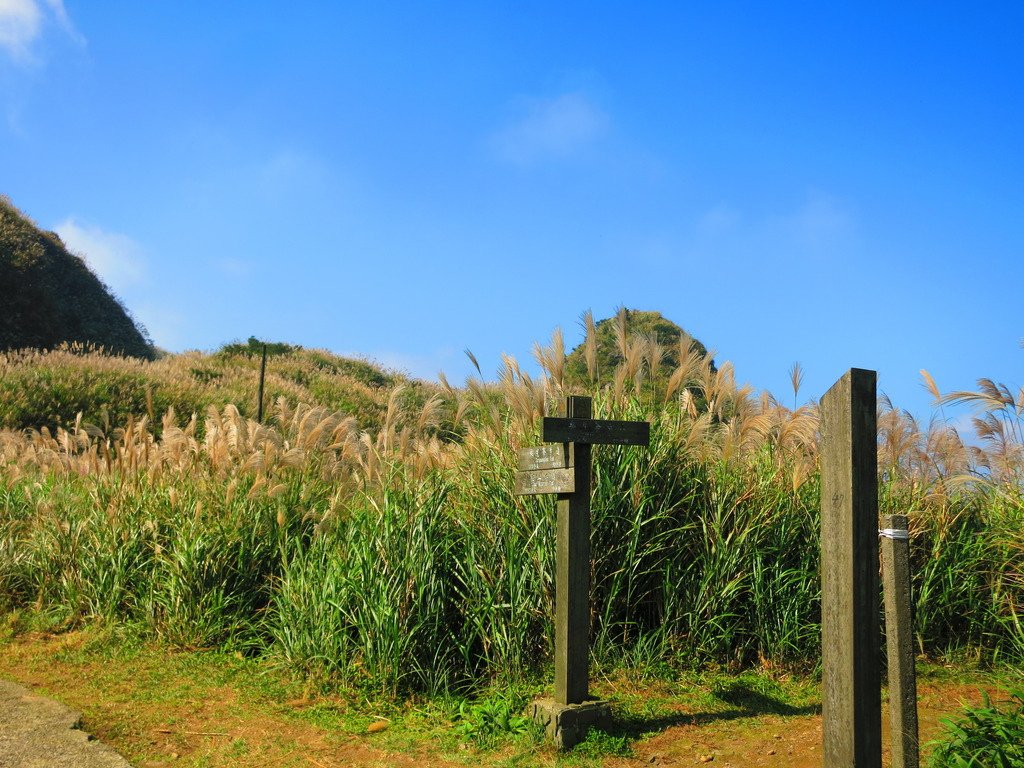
(51, 388)
(51, 297)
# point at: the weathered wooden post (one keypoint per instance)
(572, 573)
(259, 394)
(899, 640)
(565, 469)
(851, 678)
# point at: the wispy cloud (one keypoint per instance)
(718, 220)
(553, 128)
(818, 224)
(267, 177)
(234, 268)
(817, 228)
(22, 23)
(288, 170)
(121, 262)
(424, 367)
(116, 258)
(166, 325)
(60, 14)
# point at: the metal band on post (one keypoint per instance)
(896, 534)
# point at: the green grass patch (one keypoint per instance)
(986, 736)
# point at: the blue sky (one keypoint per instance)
(839, 184)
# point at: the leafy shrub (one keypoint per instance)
(983, 737)
(484, 721)
(254, 348)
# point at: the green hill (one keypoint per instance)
(51, 297)
(613, 335)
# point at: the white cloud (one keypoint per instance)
(116, 258)
(551, 129)
(64, 21)
(22, 24)
(121, 263)
(165, 325)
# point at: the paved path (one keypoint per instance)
(36, 732)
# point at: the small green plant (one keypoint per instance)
(483, 722)
(600, 744)
(983, 737)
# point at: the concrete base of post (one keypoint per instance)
(567, 724)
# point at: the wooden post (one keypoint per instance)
(895, 545)
(565, 469)
(572, 573)
(259, 396)
(851, 678)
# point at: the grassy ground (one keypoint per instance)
(162, 707)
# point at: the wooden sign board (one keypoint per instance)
(544, 457)
(545, 481)
(596, 431)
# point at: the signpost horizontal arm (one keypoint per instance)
(596, 431)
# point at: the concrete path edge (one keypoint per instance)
(36, 731)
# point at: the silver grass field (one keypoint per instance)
(392, 556)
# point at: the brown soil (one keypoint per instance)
(774, 741)
(157, 719)
(210, 729)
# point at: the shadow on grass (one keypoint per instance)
(746, 701)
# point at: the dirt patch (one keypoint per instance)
(158, 717)
(773, 741)
(159, 708)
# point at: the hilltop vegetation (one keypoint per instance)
(642, 351)
(632, 341)
(69, 386)
(51, 297)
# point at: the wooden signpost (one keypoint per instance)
(259, 394)
(563, 467)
